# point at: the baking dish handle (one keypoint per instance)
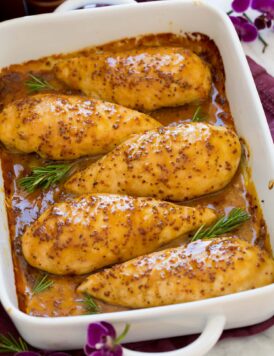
(76, 4)
(208, 338)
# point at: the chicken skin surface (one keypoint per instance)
(199, 270)
(62, 127)
(144, 79)
(171, 163)
(93, 231)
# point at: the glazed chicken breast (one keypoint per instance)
(172, 163)
(94, 231)
(62, 127)
(199, 270)
(145, 79)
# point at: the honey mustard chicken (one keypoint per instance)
(201, 269)
(145, 79)
(172, 163)
(93, 231)
(62, 127)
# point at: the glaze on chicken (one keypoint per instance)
(172, 163)
(199, 270)
(62, 127)
(94, 231)
(144, 79)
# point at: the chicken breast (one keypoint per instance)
(91, 232)
(172, 163)
(199, 270)
(62, 127)
(145, 79)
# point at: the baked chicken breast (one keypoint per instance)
(172, 163)
(93, 231)
(62, 127)
(145, 79)
(199, 270)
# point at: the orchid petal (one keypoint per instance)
(247, 32)
(97, 332)
(263, 21)
(118, 351)
(101, 340)
(238, 21)
(88, 350)
(100, 353)
(265, 6)
(111, 330)
(106, 352)
(240, 5)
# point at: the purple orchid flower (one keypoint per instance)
(102, 341)
(263, 21)
(247, 32)
(264, 6)
(245, 27)
(240, 5)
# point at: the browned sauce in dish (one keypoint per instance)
(61, 299)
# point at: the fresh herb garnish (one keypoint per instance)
(90, 305)
(118, 340)
(197, 117)
(225, 224)
(10, 344)
(44, 177)
(42, 283)
(37, 84)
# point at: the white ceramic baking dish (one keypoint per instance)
(33, 37)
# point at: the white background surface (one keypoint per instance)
(261, 344)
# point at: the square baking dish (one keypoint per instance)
(34, 37)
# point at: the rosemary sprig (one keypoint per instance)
(121, 337)
(225, 224)
(90, 305)
(197, 117)
(10, 344)
(37, 84)
(41, 284)
(44, 177)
